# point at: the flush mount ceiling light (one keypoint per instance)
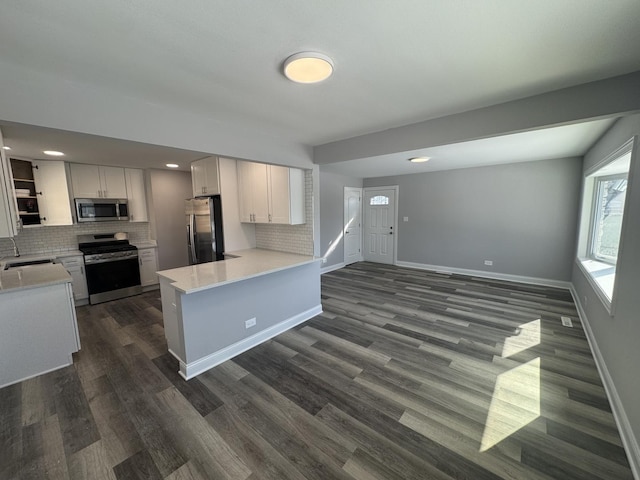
(53, 153)
(6, 148)
(172, 165)
(308, 67)
(418, 159)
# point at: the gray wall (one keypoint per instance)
(332, 213)
(522, 216)
(166, 192)
(617, 336)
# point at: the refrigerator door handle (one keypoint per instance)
(192, 239)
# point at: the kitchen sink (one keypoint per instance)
(26, 263)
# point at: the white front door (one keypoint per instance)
(352, 229)
(379, 224)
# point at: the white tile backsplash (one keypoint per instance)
(37, 240)
(290, 238)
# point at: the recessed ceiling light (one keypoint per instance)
(308, 67)
(418, 159)
(6, 148)
(53, 153)
(172, 165)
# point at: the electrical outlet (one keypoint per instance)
(405, 219)
(324, 260)
(566, 322)
(250, 323)
(488, 262)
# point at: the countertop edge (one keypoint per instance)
(175, 283)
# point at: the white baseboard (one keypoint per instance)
(331, 268)
(493, 275)
(624, 426)
(203, 364)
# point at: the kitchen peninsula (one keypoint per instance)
(38, 322)
(215, 311)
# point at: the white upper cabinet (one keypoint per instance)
(271, 194)
(136, 195)
(97, 181)
(286, 195)
(50, 179)
(8, 216)
(205, 177)
(253, 192)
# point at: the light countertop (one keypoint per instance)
(145, 244)
(33, 276)
(250, 263)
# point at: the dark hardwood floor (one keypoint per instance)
(406, 375)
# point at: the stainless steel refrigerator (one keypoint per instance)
(205, 237)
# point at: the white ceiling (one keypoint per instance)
(396, 62)
(30, 141)
(557, 142)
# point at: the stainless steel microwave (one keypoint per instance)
(101, 209)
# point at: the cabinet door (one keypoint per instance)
(148, 266)
(113, 182)
(53, 194)
(245, 191)
(85, 180)
(212, 182)
(198, 177)
(279, 194)
(75, 267)
(136, 195)
(260, 192)
(8, 217)
(205, 177)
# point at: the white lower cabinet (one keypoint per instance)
(75, 266)
(148, 260)
(39, 331)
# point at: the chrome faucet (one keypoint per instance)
(16, 252)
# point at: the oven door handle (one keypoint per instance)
(108, 260)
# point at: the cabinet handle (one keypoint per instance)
(82, 270)
(140, 261)
(269, 217)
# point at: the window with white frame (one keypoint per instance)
(605, 191)
(606, 224)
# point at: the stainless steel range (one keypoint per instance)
(111, 264)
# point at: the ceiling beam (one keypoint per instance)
(611, 97)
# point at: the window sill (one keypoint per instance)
(602, 277)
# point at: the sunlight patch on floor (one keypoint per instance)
(503, 418)
(529, 336)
